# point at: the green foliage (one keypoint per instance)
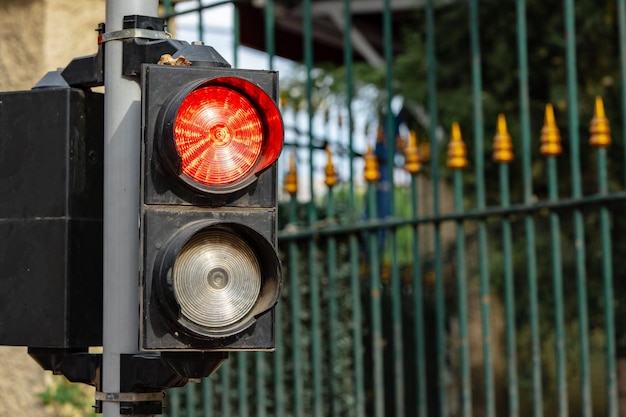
(67, 399)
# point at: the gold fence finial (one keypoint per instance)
(550, 135)
(502, 143)
(457, 154)
(599, 128)
(291, 178)
(331, 174)
(411, 154)
(371, 173)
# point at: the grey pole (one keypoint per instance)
(122, 119)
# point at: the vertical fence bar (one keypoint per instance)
(503, 155)
(621, 23)
(418, 291)
(555, 238)
(431, 75)
(600, 140)
(396, 317)
(316, 334)
(357, 332)
(551, 148)
(372, 175)
(260, 357)
(529, 222)
(225, 386)
(621, 16)
(279, 369)
(270, 44)
(236, 35)
(200, 21)
(579, 231)
(316, 342)
(457, 161)
(168, 7)
(190, 400)
(278, 355)
(207, 397)
(243, 407)
(607, 281)
(355, 284)
(348, 61)
(440, 323)
(333, 307)
(174, 397)
(396, 296)
(294, 299)
(479, 167)
(259, 380)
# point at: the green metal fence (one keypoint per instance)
(467, 272)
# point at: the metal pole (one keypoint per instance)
(122, 117)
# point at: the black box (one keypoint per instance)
(51, 186)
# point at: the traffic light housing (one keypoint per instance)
(51, 177)
(210, 273)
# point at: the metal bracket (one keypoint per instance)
(143, 378)
(86, 71)
(131, 397)
(144, 41)
(132, 33)
(77, 365)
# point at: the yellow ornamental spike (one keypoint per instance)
(331, 175)
(599, 128)
(550, 135)
(291, 178)
(411, 155)
(502, 144)
(457, 154)
(371, 173)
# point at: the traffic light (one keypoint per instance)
(210, 273)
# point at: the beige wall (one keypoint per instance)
(37, 36)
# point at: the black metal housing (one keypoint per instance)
(169, 205)
(51, 176)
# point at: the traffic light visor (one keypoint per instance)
(225, 131)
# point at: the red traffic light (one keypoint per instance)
(217, 135)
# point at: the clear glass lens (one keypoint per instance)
(216, 279)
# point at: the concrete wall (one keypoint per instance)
(37, 36)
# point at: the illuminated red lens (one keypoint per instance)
(219, 136)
